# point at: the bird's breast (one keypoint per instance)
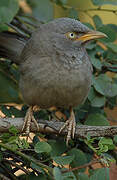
(47, 84)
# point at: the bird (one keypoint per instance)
(55, 69)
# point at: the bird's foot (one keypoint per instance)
(70, 124)
(27, 121)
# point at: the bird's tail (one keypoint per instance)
(11, 46)
(12, 43)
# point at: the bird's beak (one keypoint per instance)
(91, 35)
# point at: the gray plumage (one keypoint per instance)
(55, 71)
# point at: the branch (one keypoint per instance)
(81, 167)
(53, 127)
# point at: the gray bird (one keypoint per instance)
(55, 69)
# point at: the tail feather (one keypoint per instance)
(11, 46)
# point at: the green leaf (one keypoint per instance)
(8, 9)
(11, 111)
(35, 166)
(63, 160)
(109, 32)
(57, 173)
(115, 139)
(58, 147)
(32, 176)
(96, 120)
(9, 92)
(112, 47)
(69, 176)
(97, 21)
(42, 9)
(100, 174)
(82, 176)
(102, 2)
(89, 25)
(3, 27)
(13, 130)
(73, 13)
(79, 158)
(97, 86)
(63, 2)
(105, 86)
(96, 99)
(108, 142)
(41, 147)
(96, 63)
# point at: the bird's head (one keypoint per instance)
(67, 33)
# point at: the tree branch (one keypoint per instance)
(53, 127)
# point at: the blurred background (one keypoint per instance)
(100, 107)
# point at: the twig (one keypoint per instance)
(16, 165)
(26, 157)
(82, 166)
(7, 171)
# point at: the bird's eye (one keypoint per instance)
(71, 35)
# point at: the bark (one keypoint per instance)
(54, 126)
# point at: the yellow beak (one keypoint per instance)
(91, 35)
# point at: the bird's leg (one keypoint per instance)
(70, 124)
(28, 118)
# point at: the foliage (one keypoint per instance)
(49, 157)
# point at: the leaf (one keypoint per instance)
(73, 13)
(8, 9)
(96, 120)
(102, 173)
(97, 21)
(112, 47)
(102, 2)
(57, 173)
(42, 9)
(82, 176)
(41, 147)
(96, 63)
(69, 176)
(13, 130)
(9, 90)
(111, 34)
(97, 86)
(105, 86)
(115, 139)
(96, 99)
(79, 158)
(32, 176)
(63, 1)
(11, 111)
(58, 147)
(37, 167)
(89, 25)
(63, 160)
(3, 27)
(108, 142)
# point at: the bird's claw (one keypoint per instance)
(27, 121)
(70, 124)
